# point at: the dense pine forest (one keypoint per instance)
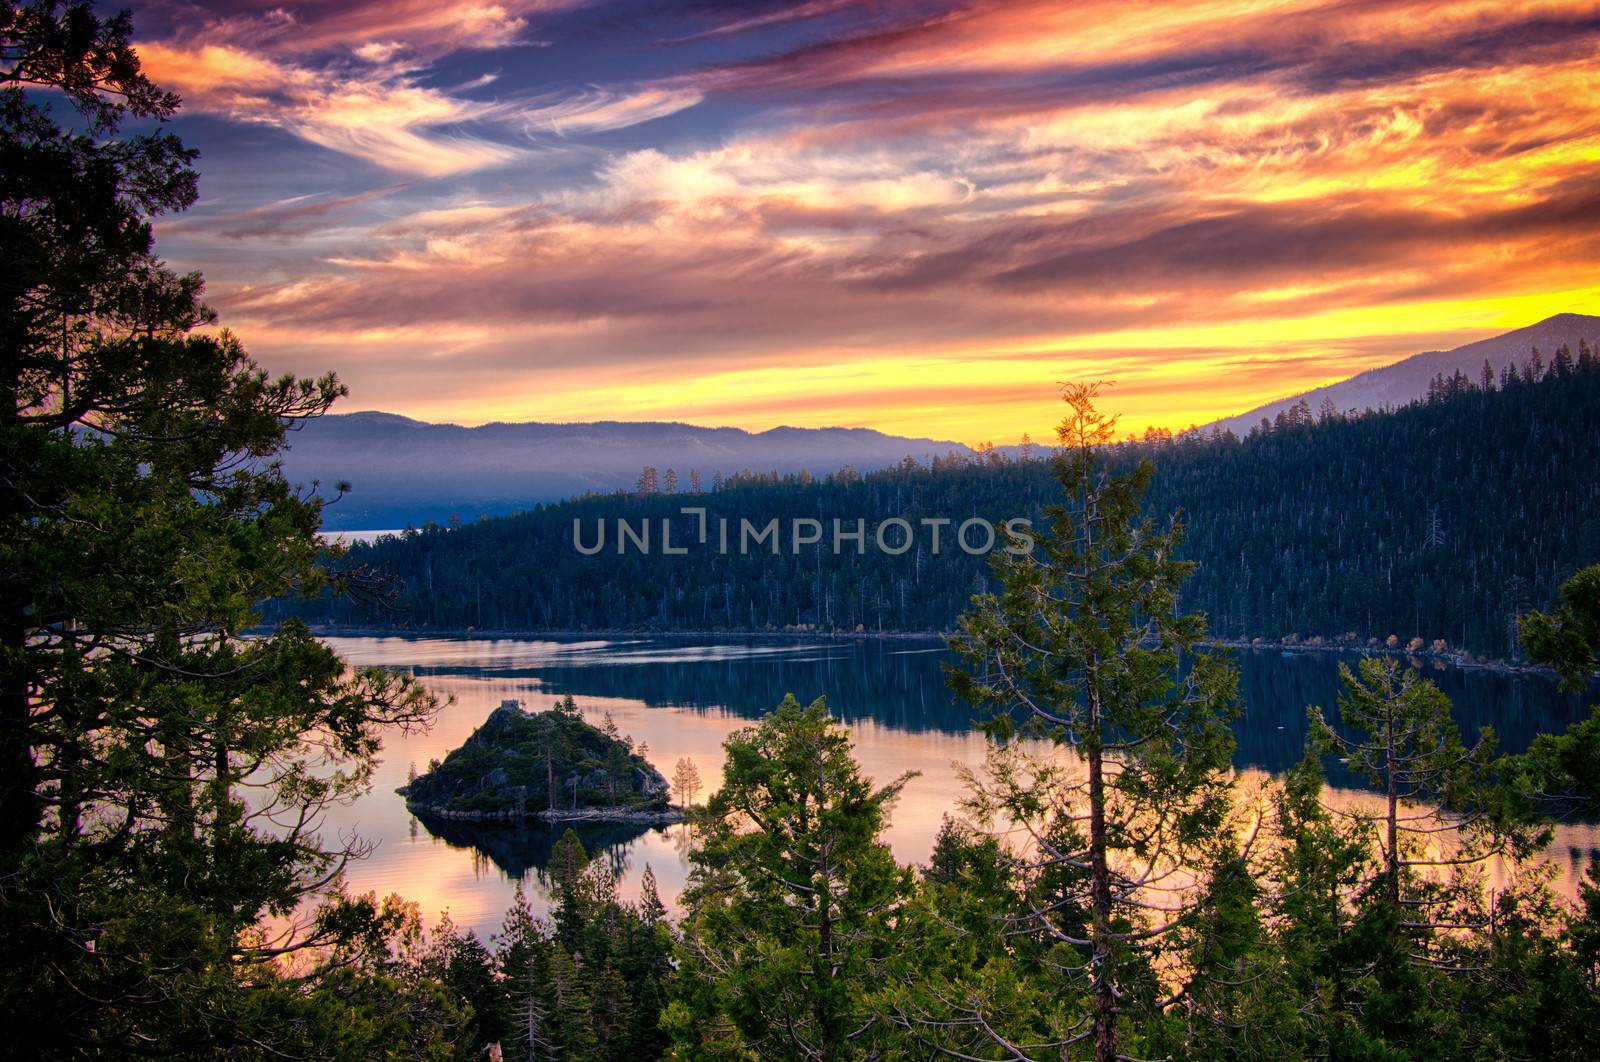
(1438, 521)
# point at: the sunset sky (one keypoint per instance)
(909, 216)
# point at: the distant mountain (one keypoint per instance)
(1394, 385)
(407, 471)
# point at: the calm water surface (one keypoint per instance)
(683, 696)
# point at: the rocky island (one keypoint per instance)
(551, 766)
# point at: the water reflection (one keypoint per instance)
(681, 697)
(518, 850)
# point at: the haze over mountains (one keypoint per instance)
(406, 471)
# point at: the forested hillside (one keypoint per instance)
(1436, 521)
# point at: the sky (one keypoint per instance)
(919, 217)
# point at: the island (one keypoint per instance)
(550, 766)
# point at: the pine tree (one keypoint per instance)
(458, 961)
(1316, 868)
(1562, 366)
(1423, 908)
(572, 1008)
(162, 777)
(792, 900)
(1083, 644)
(1561, 772)
(522, 956)
(685, 782)
(1234, 1005)
(1407, 744)
(1568, 639)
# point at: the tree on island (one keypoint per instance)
(685, 781)
(519, 764)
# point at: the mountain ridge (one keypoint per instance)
(406, 471)
(385, 416)
(1401, 381)
(1331, 531)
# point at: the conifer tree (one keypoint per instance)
(1560, 773)
(523, 957)
(1408, 745)
(792, 901)
(1083, 643)
(1422, 909)
(685, 781)
(162, 777)
(1316, 867)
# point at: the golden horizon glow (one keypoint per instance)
(894, 394)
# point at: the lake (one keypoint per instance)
(683, 696)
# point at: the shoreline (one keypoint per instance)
(496, 634)
(552, 817)
(1452, 657)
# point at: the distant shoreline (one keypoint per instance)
(1453, 657)
(327, 631)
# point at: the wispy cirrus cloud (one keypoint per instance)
(382, 28)
(598, 110)
(387, 119)
(358, 79)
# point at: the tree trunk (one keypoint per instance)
(20, 807)
(1105, 1000)
(19, 802)
(830, 1038)
(1392, 886)
(822, 1001)
(1105, 1014)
